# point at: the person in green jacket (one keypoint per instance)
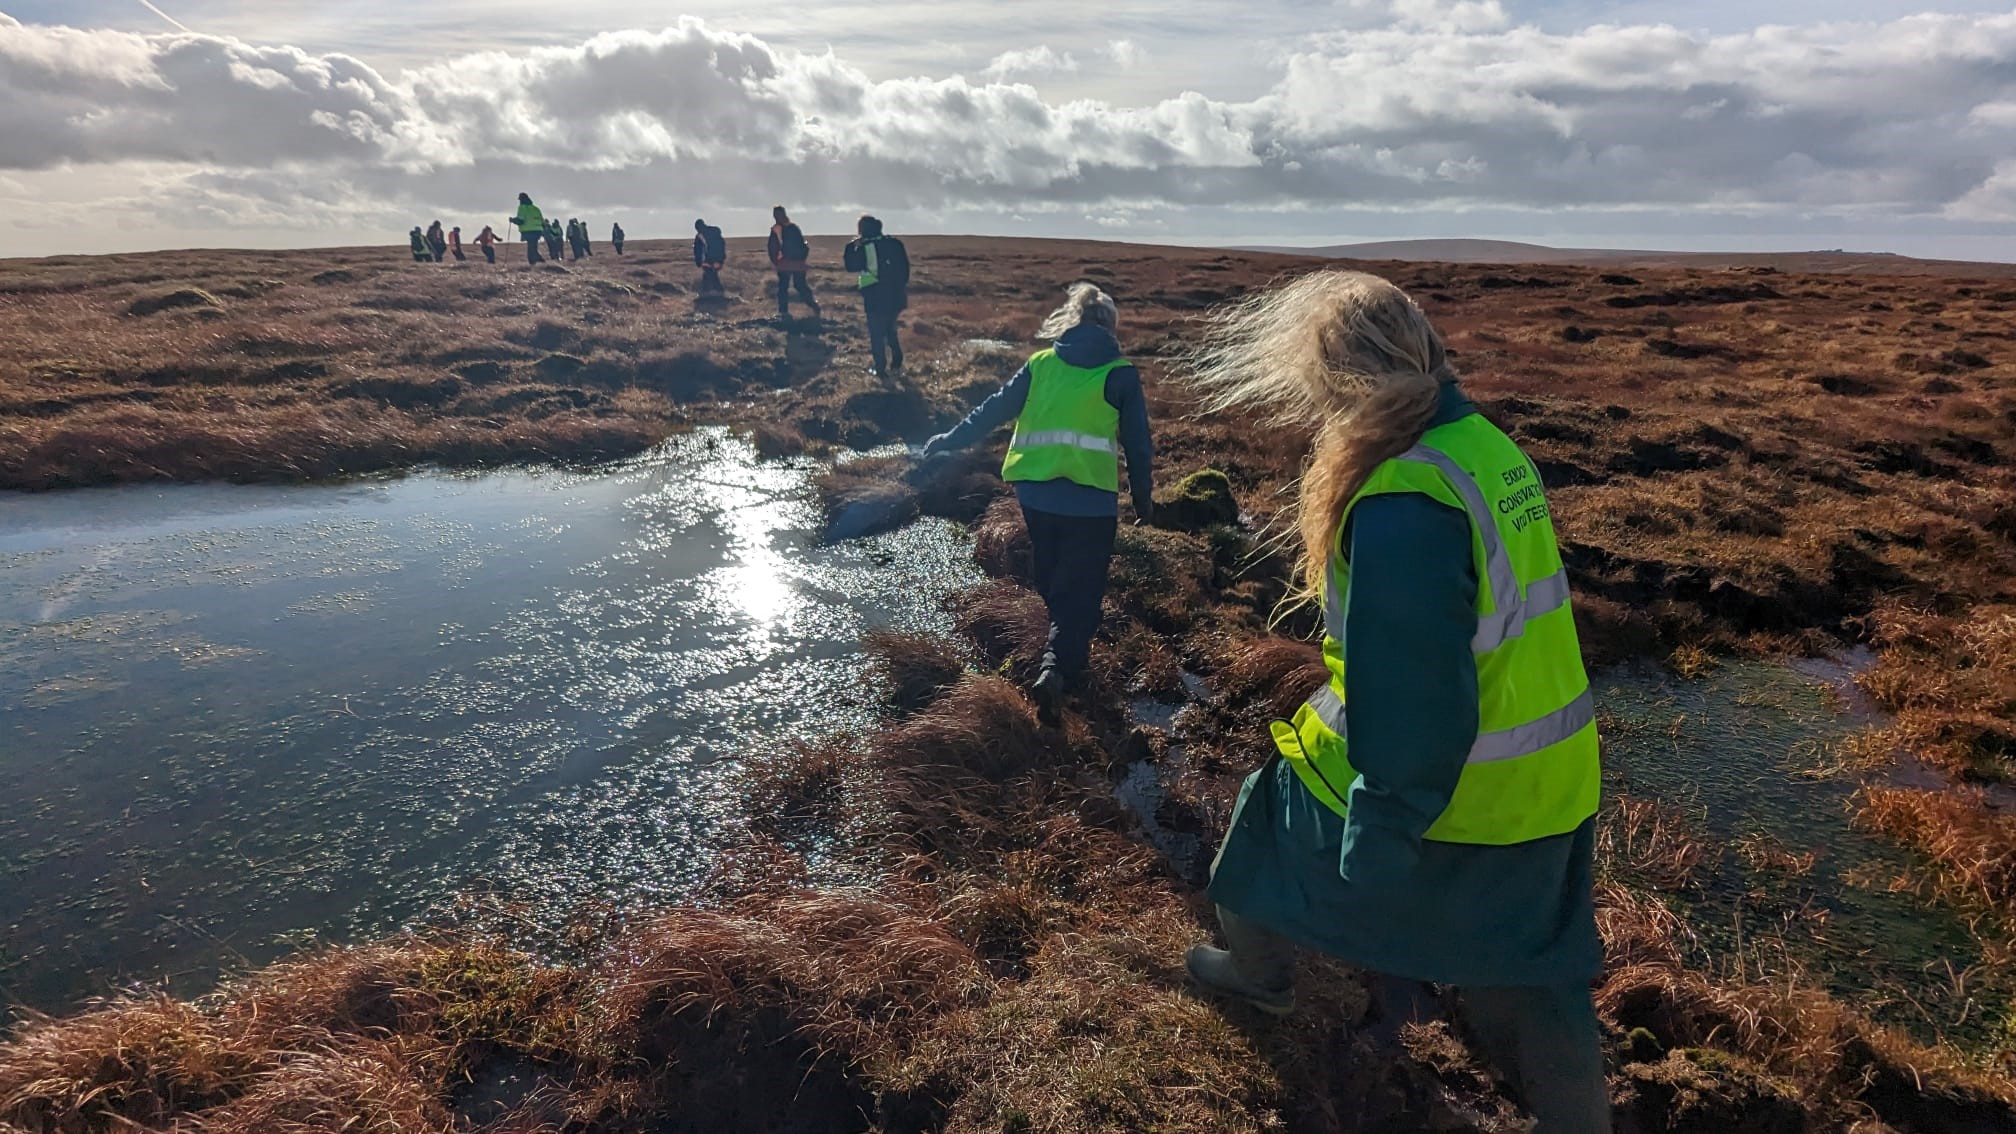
(1442, 827)
(422, 254)
(531, 227)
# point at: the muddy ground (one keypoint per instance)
(1745, 461)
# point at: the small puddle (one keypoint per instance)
(1143, 789)
(1746, 755)
(242, 718)
(1748, 752)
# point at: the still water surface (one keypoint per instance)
(241, 718)
(237, 718)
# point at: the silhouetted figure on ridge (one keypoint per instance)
(710, 252)
(790, 256)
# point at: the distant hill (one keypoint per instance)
(1514, 252)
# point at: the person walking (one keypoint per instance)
(1076, 406)
(455, 243)
(487, 241)
(587, 241)
(574, 239)
(710, 252)
(1429, 813)
(553, 240)
(422, 254)
(437, 243)
(531, 227)
(616, 238)
(884, 267)
(790, 255)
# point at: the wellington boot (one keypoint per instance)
(1217, 970)
(1048, 693)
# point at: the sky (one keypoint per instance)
(1872, 125)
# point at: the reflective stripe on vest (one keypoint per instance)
(1067, 429)
(1508, 621)
(1066, 437)
(1532, 769)
(1509, 744)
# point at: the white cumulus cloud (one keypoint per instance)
(1435, 104)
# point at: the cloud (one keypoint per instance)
(1030, 61)
(1434, 105)
(1126, 54)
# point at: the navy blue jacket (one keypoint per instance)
(1089, 347)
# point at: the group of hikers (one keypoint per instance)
(1428, 814)
(535, 229)
(433, 246)
(880, 263)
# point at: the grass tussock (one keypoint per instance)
(913, 670)
(137, 1061)
(864, 497)
(1832, 1061)
(1950, 681)
(1655, 843)
(1007, 623)
(1973, 847)
(1001, 542)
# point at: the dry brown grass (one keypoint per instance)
(1843, 1067)
(1950, 680)
(1738, 460)
(1655, 843)
(913, 669)
(1975, 848)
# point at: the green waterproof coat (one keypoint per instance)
(531, 222)
(1366, 886)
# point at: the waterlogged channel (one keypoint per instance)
(240, 718)
(1786, 887)
(1771, 878)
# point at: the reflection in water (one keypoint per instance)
(243, 716)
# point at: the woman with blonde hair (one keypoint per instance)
(1075, 406)
(1428, 814)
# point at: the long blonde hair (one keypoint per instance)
(1349, 351)
(1083, 303)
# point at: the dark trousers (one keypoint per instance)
(1543, 1039)
(1071, 554)
(618, 245)
(710, 280)
(787, 282)
(553, 248)
(457, 253)
(489, 253)
(532, 250)
(883, 344)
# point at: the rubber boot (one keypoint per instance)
(1258, 968)
(1048, 693)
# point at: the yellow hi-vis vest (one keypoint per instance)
(531, 222)
(1067, 429)
(1534, 769)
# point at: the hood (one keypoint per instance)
(1087, 346)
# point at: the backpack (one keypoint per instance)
(854, 258)
(792, 241)
(892, 262)
(717, 247)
